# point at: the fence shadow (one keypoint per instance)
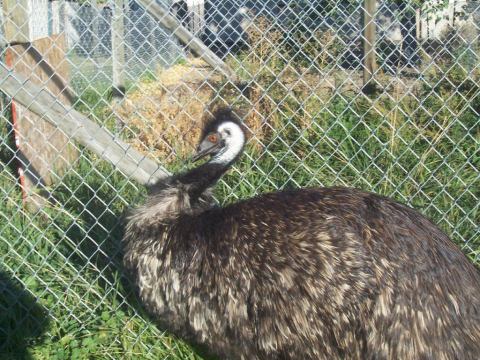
(99, 202)
(99, 229)
(22, 319)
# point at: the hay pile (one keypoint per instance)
(164, 116)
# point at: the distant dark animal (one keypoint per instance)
(321, 273)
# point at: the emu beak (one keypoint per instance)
(206, 148)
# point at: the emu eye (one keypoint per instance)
(212, 138)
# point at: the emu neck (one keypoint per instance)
(201, 178)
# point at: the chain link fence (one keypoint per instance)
(407, 126)
(88, 30)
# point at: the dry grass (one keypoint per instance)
(165, 115)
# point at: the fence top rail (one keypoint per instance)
(77, 126)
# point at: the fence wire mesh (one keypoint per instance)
(302, 94)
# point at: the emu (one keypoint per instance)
(318, 273)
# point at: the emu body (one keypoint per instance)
(326, 273)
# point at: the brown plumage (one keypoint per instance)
(325, 273)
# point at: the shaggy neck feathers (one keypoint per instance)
(201, 178)
(183, 191)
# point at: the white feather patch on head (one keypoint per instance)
(234, 139)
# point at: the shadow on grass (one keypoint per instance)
(94, 200)
(99, 201)
(22, 320)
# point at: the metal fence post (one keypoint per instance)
(118, 48)
(369, 57)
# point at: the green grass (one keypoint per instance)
(67, 256)
(432, 166)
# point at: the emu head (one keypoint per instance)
(223, 139)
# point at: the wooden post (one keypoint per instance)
(418, 24)
(94, 29)
(16, 21)
(118, 49)
(369, 61)
(54, 21)
(43, 151)
(451, 12)
(77, 126)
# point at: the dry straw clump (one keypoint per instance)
(164, 116)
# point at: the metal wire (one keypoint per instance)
(311, 123)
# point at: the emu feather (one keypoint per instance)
(325, 273)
